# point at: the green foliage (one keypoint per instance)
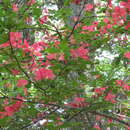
(79, 62)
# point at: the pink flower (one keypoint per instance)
(10, 110)
(6, 44)
(61, 57)
(16, 38)
(15, 7)
(106, 20)
(88, 7)
(80, 52)
(31, 2)
(79, 99)
(22, 82)
(110, 98)
(51, 56)
(120, 82)
(43, 73)
(126, 87)
(99, 90)
(43, 19)
(110, 3)
(15, 72)
(127, 55)
(110, 120)
(3, 114)
(97, 127)
(90, 28)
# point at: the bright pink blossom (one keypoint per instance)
(51, 56)
(90, 28)
(15, 7)
(106, 20)
(11, 109)
(6, 44)
(126, 87)
(110, 120)
(43, 19)
(16, 39)
(80, 52)
(79, 99)
(22, 82)
(110, 3)
(110, 98)
(99, 90)
(44, 73)
(88, 7)
(127, 55)
(120, 82)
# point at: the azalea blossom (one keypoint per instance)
(127, 55)
(44, 73)
(15, 7)
(110, 98)
(22, 82)
(80, 52)
(99, 90)
(88, 7)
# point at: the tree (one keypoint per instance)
(36, 79)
